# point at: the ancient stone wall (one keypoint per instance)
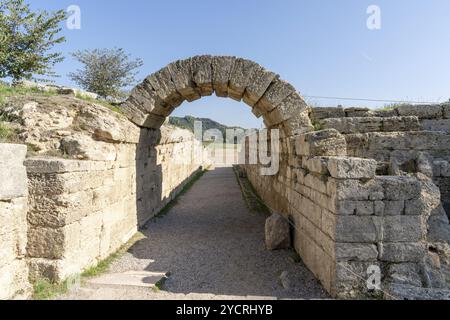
(13, 222)
(350, 221)
(81, 211)
(402, 138)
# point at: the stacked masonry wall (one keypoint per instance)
(13, 222)
(82, 211)
(346, 218)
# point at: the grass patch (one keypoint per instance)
(43, 289)
(392, 106)
(106, 104)
(7, 134)
(104, 265)
(253, 201)
(8, 91)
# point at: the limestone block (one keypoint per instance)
(421, 111)
(442, 125)
(221, 71)
(351, 168)
(52, 243)
(355, 189)
(356, 252)
(321, 143)
(85, 148)
(181, 73)
(144, 98)
(319, 113)
(407, 123)
(12, 155)
(328, 223)
(359, 229)
(202, 74)
(154, 121)
(297, 125)
(353, 125)
(106, 125)
(405, 273)
(393, 208)
(165, 89)
(358, 112)
(54, 165)
(277, 233)
(14, 281)
(13, 181)
(240, 78)
(403, 229)
(316, 165)
(351, 207)
(259, 83)
(400, 187)
(287, 108)
(277, 92)
(446, 109)
(136, 114)
(402, 252)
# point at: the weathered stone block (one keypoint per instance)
(446, 110)
(402, 252)
(13, 182)
(221, 71)
(351, 168)
(240, 78)
(321, 143)
(260, 81)
(277, 233)
(436, 125)
(400, 187)
(202, 74)
(161, 83)
(277, 92)
(403, 228)
(181, 73)
(291, 106)
(350, 207)
(356, 252)
(320, 113)
(359, 229)
(421, 111)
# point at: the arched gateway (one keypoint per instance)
(187, 80)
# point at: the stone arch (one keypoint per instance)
(270, 97)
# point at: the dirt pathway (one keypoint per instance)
(213, 248)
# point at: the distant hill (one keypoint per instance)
(188, 123)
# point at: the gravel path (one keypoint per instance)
(213, 248)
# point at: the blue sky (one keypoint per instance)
(322, 47)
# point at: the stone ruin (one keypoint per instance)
(366, 191)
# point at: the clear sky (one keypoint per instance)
(322, 47)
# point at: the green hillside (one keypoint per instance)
(188, 123)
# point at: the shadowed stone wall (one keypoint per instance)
(81, 211)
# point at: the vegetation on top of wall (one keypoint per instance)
(392, 106)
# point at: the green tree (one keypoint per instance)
(105, 71)
(26, 40)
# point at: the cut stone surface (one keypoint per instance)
(277, 233)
